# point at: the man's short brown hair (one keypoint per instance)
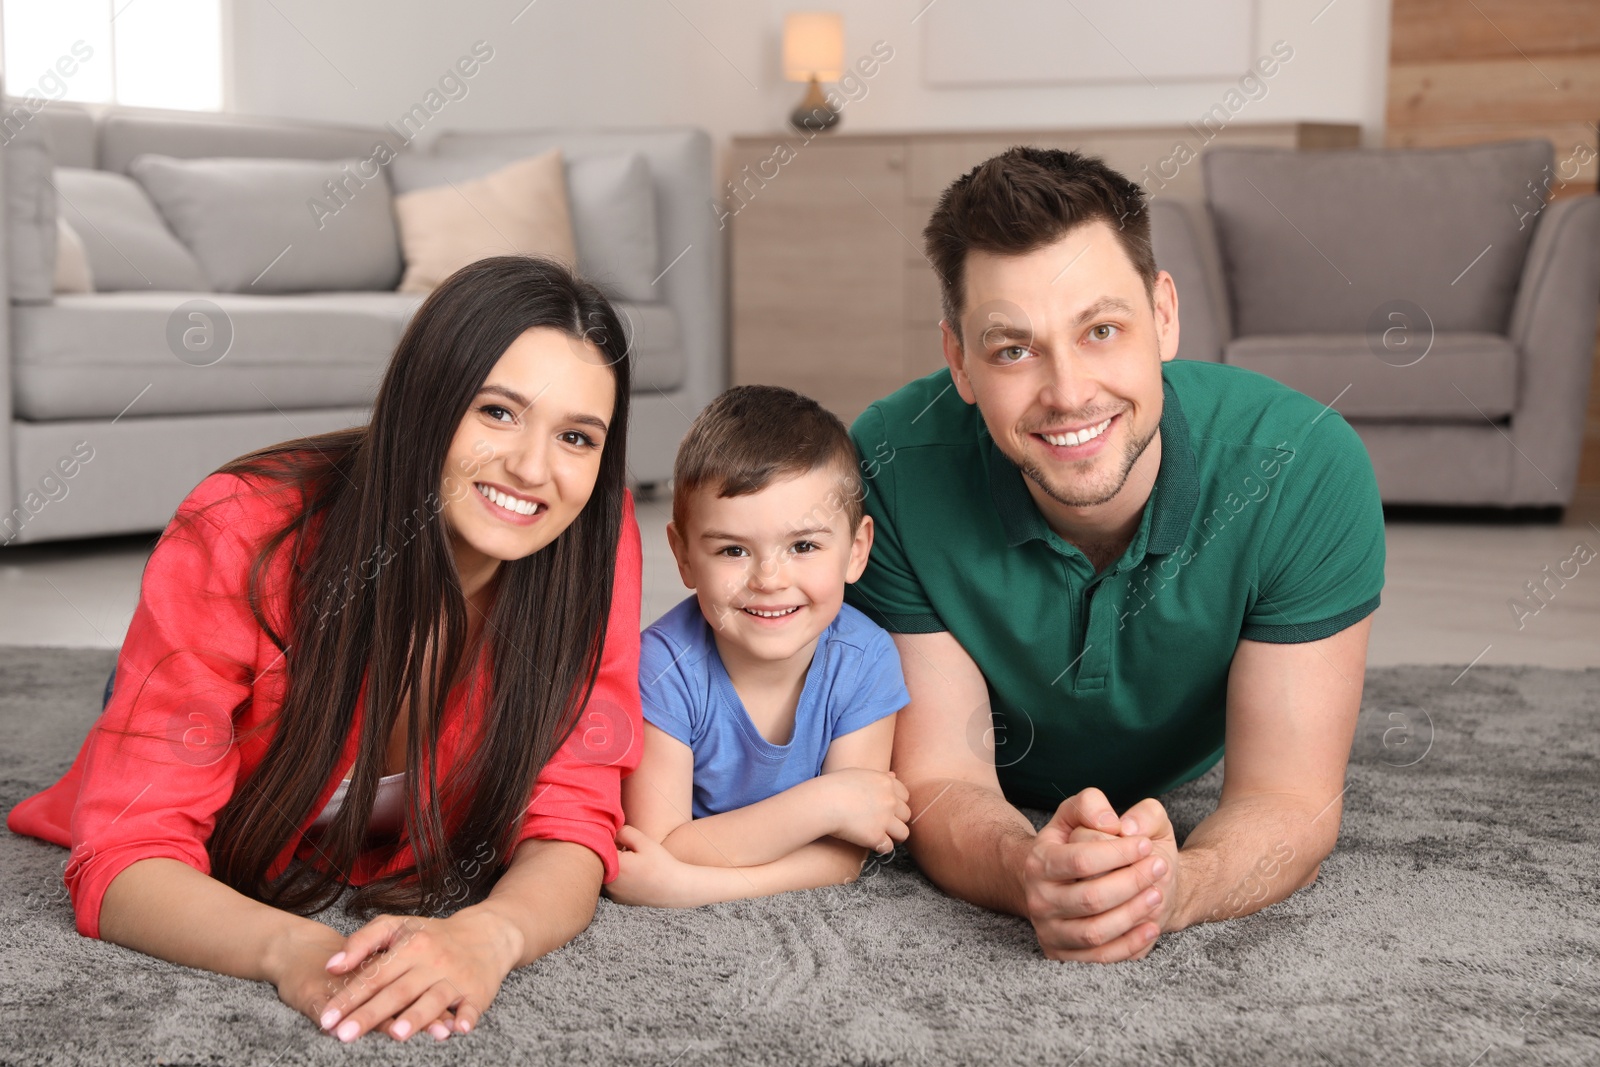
(752, 435)
(1026, 198)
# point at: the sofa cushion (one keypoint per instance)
(124, 238)
(655, 342)
(30, 205)
(125, 135)
(519, 208)
(72, 133)
(91, 356)
(612, 198)
(72, 262)
(279, 225)
(1315, 242)
(1460, 376)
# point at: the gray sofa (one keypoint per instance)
(110, 413)
(1429, 295)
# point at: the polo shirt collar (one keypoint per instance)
(1172, 499)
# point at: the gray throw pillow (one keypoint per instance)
(279, 225)
(30, 205)
(124, 239)
(613, 203)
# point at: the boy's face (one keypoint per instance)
(770, 567)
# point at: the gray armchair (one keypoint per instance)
(1430, 296)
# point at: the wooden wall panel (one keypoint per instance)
(1426, 30)
(1539, 89)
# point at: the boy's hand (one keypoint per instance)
(647, 873)
(871, 808)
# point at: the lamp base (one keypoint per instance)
(813, 113)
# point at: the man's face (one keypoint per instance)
(1061, 349)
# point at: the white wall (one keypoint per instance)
(716, 65)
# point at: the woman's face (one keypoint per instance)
(525, 458)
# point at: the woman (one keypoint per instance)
(359, 659)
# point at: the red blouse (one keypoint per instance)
(166, 755)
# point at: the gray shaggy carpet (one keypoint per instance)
(1455, 924)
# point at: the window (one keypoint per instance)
(133, 52)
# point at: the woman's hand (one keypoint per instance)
(872, 808)
(299, 970)
(647, 873)
(402, 973)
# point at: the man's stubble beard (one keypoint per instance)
(1092, 497)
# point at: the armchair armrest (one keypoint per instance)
(1553, 329)
(1185, 243)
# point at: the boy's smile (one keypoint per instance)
(769, 568)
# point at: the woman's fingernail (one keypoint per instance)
(1158, 867)
(1153, 897)
(439, 1031)
(1106, 820)
(463, 1025)
(1129, 827)
(1143, 847)
(348, 1029)
(329, 1017)
(401, 1029)
(1150, 934)
(336, 959)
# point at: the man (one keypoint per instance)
(1102, 567)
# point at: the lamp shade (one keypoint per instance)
(813, 46)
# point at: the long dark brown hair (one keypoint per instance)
(377, 599)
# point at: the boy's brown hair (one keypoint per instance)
(752, 435)
(1024, 199)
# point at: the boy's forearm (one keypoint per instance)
(828, 861)
(759, 833)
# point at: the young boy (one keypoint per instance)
(769, 704)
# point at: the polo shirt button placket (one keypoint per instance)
(1100, 611)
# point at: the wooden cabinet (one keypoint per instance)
(832, 295)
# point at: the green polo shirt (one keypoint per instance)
(1264, 523)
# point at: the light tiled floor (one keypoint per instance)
(1447, 600)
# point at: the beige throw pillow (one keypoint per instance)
(72, 262)
(520, 208)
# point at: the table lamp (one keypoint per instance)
(813, 51)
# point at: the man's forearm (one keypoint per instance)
(1253, 851)
(971, 842)
(758, 833)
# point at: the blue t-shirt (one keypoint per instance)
(853, 681)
